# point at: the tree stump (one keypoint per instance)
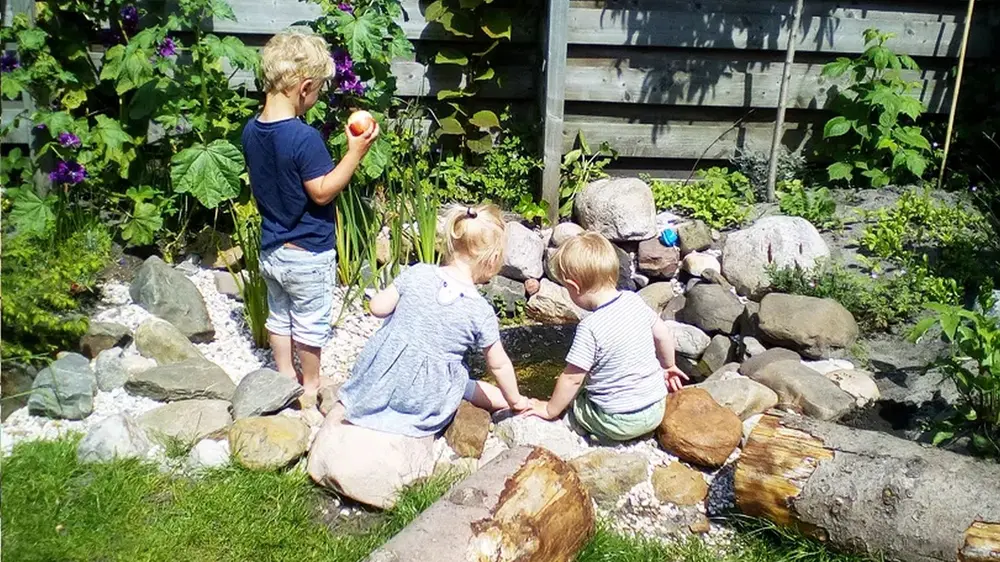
(527, 505)
(869, 492)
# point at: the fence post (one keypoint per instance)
(554, 95)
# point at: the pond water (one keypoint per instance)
(536, 380)
(538, 353)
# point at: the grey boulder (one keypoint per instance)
(115, 437)
(110, 369)
(689, 340)
(621, 209)
(264, 391)
(169, 294)
(804, 390)
(776, 241)
(523, 253)
(810, 325)
(160, 340)
(104, 335)
(713, 309)
(744, 397)
(194, 378)
(187, 421)
(65, 389)
(505, 294)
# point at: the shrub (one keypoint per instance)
(754, 163)
(45, 284)
(581, 166)
(815, 205)
(974, 366)
(875, 133)
(720, 198)
(503, 175)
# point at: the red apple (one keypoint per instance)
(359, 122)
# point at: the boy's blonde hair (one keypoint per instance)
(589, 260)
(292, 57)
(476, 235)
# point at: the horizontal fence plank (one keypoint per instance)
(715, 83)
(949, 11)
(661, 28)
(709, 140)
(266, 17)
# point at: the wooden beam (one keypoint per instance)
(779, 123)
(553, 103)
(661, 28)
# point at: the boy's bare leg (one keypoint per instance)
(488, 397)
(309, 361)
(281, 348)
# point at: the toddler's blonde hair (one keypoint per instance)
(477, 236)
(589, 260)
(291, 57)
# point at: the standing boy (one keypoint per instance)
(294, 182)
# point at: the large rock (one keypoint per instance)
(658, 260)
(167, 293)
(688, 340)
(699, 264)
(679, 484)
(609, 476)
(194, 378)
(523, 253)
(751, 366)
(563, 232)
(16, 380)
(366, 465)
(777, 241)
(625, 270)
(859, 384)
(743, 396)
(713, 309)
(556, 436)
(208, 454)
(552, 305)
(696, 429)
(716, 355)
(657, 295)
(268, 443)
(187, 421)
(468, 430)
(694, 236)
(810, 325)
(226, 283)
(115, 437)
(110, 369)
(264, 391)
(673, 308)
(804, 390)
(104, 335)
(621, 209)
(505, 294)
(160, 340)
(65, 389)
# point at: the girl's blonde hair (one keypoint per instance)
(292, 57)
(477, 236)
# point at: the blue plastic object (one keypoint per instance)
(668, 237)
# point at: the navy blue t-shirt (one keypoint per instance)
(282, 155)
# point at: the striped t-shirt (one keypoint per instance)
(615, 346)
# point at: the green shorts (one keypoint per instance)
(617, 427)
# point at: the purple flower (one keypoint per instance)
(350, 83)
(112, 37)
(41, 127)
(326, 130)
(345, 7)
(342, 61)
(69, 140)
(68, 172)
(8, 61)
(130, 18)
(167, 48)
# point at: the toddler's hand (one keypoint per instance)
(539, 408)
(674, 378)
(361, 143)
(521, 405)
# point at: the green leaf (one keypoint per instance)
(362, 35)
(915, 163)
(452, 94)
(839, 171)
(485, 75)
(941, 437)
(30, 213)
(880, 56)
(838, 126)
(450, 126)
(911, 136)
(911, 107)
(74, 98)
(488, 50)
(878, 177)
(377, 159)
(31, 39)
(572, 156)
(921, 328)
(908, 63)
(55, 121)
(837, 68)
(211, 173)
(451, 56)
(485, 120)
(480, 145)
(435, 11)
(458, 23)
(110, 137)
(222, 10)
(146, 100)
(141, 227)
(232, 49)
(11, 86)
(496, 24)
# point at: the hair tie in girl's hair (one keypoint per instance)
(471, 213)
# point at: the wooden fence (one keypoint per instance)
(667, 82)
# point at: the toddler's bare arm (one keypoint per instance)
(324, 189)
(502, 369)
(665, 352)
(384, 302)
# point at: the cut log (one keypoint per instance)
(869, 492)
(526, 505)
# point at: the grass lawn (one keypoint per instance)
(56, 509)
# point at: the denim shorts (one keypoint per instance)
(300, 293)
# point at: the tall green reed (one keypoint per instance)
(250, 281)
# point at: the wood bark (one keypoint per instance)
(870, 492)
(527, 505)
